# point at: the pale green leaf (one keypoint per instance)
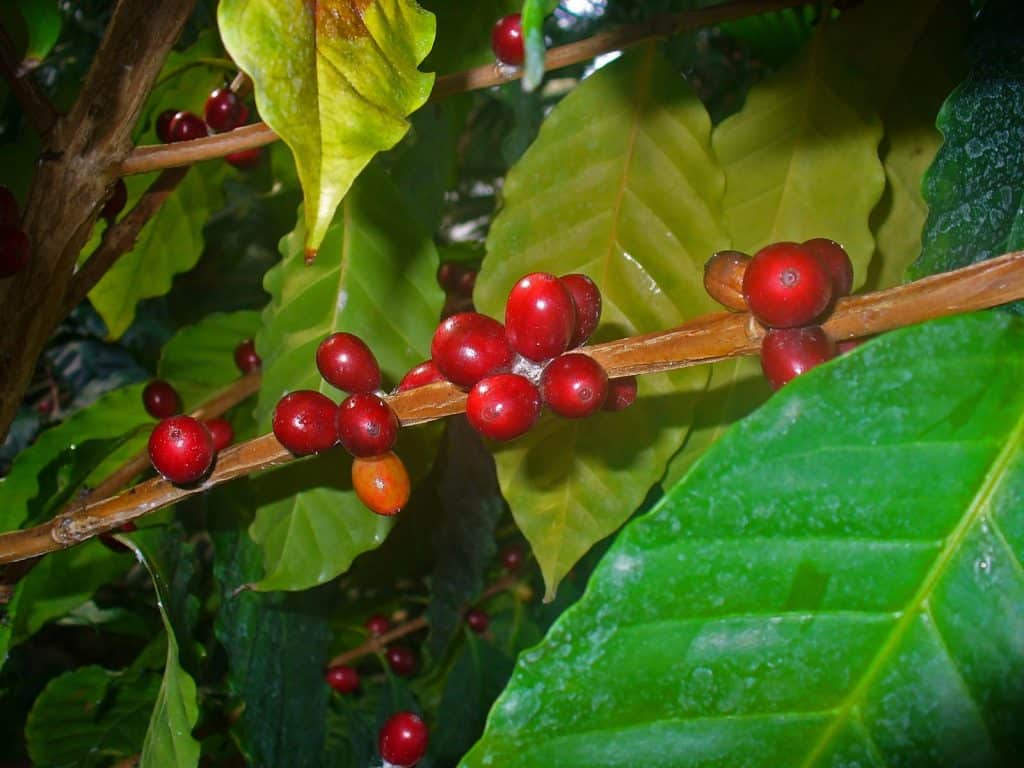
(335, 80)
(374, 277)
(621, 184)
(837, 582)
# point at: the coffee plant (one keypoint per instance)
(501, 383)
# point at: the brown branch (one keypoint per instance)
(36, 106)
(704, 340)
(156, 157)
(377, 644)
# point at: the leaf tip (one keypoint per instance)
(310, 255)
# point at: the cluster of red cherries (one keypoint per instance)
(183, 448)
(787, 287)
(224, 111)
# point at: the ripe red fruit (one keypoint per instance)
(788, 352)
(366, 425)
(222, 110)
(15, 250)
(181, 449)
(848, 345)
(116, 202)
(9, 213)
(246, 358)
(786, 285)
(448, 276)
(304, 422)
(343, 679)
(403, 739)
(186, 126)
(621, 393)
(381, 483)
(347, 363)
(163, 125)
(466, 283)
(507, 40)
(477, 620)
(377, 625)
(512, 558)
(222, 433)
(402, 660)
(837, 263)
(503, 407)
(161, 399)
(586, 299)
(539, 317)
(244, 159)
(468, 346)
(574, 386)
(423, 374)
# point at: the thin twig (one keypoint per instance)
(37, 107)
(156, 157)
(704, 340)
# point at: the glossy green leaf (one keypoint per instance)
(801, 158)
(374, 277)
(837, 582)
(113, 415)
(335, 80)
(43, 23)
(464, 32)
(621, 185)
(533, 14)
(169, 742)
(171, 242)
(975, 186)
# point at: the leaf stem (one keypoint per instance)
(706, 339)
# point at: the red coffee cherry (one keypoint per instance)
(788, 352)
(347, 363)
(468, 346)
(586, 299)
(116, 202)
(539, 317)
(377, 625)
(185, 126)
(477, 620)
(512, 558)
(161, 399)
(403, 740)
(343, 679)
(402, 660)
(848, 345)
(15, 250)
(507, 40)
(366, 425)
(10, 215)
(381, 483)
(246, 358)
(837, 263)
(222, 110)
(222, 433)
(574, 386)
(466, 283)
(503, 406)
(448, 276)
(163, 125)
(245, 159)
(181, 449)
(304, 422)
(621, 393)
(423, 374)
(786, 285)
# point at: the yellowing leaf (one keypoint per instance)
(335, 79)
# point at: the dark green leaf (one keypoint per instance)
(464, 32)
(838, 581)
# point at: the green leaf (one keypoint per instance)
(276, 644)
(169, 740)
(113, 415)
(975, 187)
(375, 278)
(533, 14)
(335, 80)
(200, 359)
(801, 158)
(838, 581)
(43, 22)
(171, 242)
(621, 185)
(464, 32)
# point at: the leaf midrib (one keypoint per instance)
(993, 479)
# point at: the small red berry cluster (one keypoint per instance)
(511, 370)
(458, 281)
(15, 247)
(183, 448)
(224, 111)
(787, 287)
